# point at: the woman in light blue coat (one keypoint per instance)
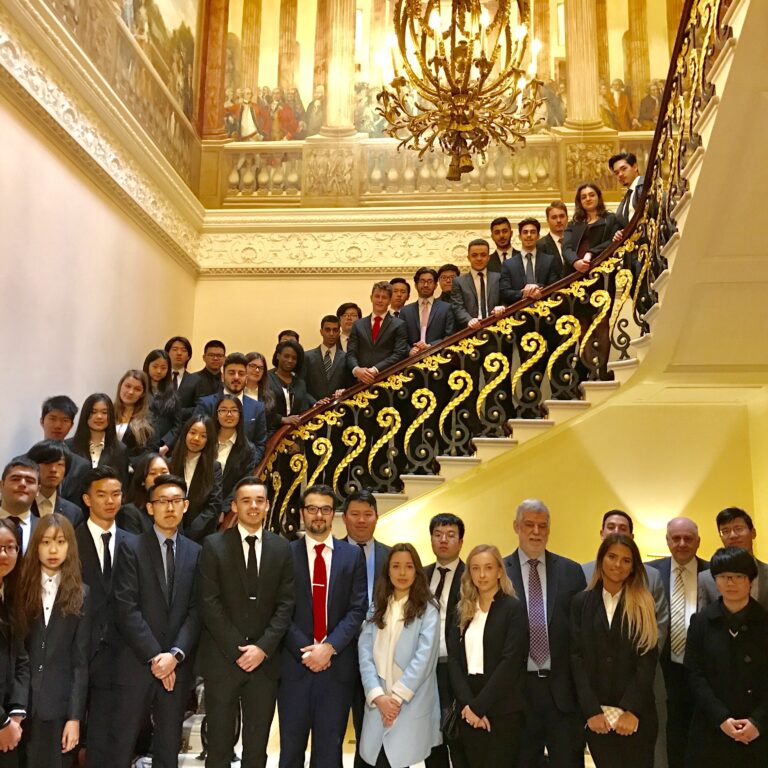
(398, 650)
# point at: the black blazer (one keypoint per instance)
(230, 618)
(301, 400)
(58, 657)
(147, 621)
(14, 668)
(187, 394)
(167, 423)
(513, 279)
(207, 384)
(505, 648)
(600, 236)
(440, 323)
(453, 594)
(464, 297)
(104, 640)
(623, 210)
(72, 486)
(318, 384)
(115, 457)
(71, 511)
(495, 263)
(134, 520)
(202, 517)
(391, 344)
(236, 469)
(548, 244)
(565, 578)
(607, 669)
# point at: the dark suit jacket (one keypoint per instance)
(201, 517)
(600, 236)
(207, 384)
(116, 457)
(104, 641)
(495, 263)
(71, 511)
(391, 345)
(347, 602)
(301, 400)
(255, 417)
(565, 578)
(230, 618)
(134, 520)
(236, 469)
(464, 297)
(167, 424)
(453, 594)
(72, 486)
(380, 555)
(147, 621)
(187, 394)
(440, 324)
(622, 212)
(58, 658)
(318, 384)
(513, 279)
(607, 669)
(14, 668)
(505, 648)
(548, 244)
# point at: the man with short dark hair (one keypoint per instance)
(736, 529)
(376, 341)
(501, 234)
(254, 415)
(158, 616)
(20, 481)
(445, 277)
(426, 321)
(546, 583)
(179, 350)
(247, 598)
(401, 292)
(319, 658)
(209, 377)
(325, 366)
(51, 457)
(446, 537)
(475, 295)
(348, 313)
(557, 220)
(288, 335)
(100, 545)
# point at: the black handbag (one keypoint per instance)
(449, 723)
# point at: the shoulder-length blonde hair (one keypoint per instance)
(468, 594)
(139, 424)
(639, 612)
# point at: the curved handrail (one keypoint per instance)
(699, 39)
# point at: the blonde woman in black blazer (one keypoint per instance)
(487, 651)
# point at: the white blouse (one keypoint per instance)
(473, 642)
(611, 602)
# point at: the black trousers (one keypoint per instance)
(562, 733)
(98, 744)
(498, 747)
(381, 761)
(444, 755)
(41, 744)
(223, 698)
(679, 712)
(358, 710)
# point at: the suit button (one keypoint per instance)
(608, 659)
(40, 668)
(747, 659)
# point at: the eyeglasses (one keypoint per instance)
(227, 411)
(214, 355)
(450, 536)
(314, 510)
(736, 530)
(163, 503)
(731, 578)
(9, 549)
(350, 316)
(253, 367)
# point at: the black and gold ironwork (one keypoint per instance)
(477, 382)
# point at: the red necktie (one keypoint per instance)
(319, 591)
(376, 328)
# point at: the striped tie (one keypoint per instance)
(327, 363)
(677, 615)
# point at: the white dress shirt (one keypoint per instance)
(452, 566)
(45, 505)
(25, 523)
(343, 339)
(246, 549)
(473, 642)
(50, 588)
(190, 465)
(121, 428)
(96, 532)
(631, 207)
(610, 602)
(225, 449)
(96, 449)
(690, 576)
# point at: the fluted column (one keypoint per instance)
(581, 56)
(251, 43)
(339, 113)
(674, 14)
(541, 32)
(378, 42)
(321, 45)
(639, 58)
(210, 112)
(288, 58)
(603, 62)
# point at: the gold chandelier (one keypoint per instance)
(462, 83)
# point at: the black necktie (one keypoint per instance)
(441, 583)
(175, 381)
(170, 568)
(396, 313)
(503, 257)
(624, 206)
(107, 569)
(483, 297)
(252, 567)
(529, 276)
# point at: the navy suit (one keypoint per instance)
(440, 323)
(319, 701)
(71, 511)
(255, 417)
(513, 278)
(152, 622)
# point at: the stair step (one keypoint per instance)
(488, 448)
(452, 467)
(386, 502)
(642, 345)
(624, 369)
(669, 250)
(417, 485)
(596, 392)
(563, 410)
(525, 429)
(660, 284)
(681, 210)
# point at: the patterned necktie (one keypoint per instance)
(107, 569)
(376, 328)
(170, 568)
(529, 276)
(483, 297)
(441, 583)
(537, 617)
(327, 363)
(424, 320)
(677, 615)
(252, 567)
(319, 592)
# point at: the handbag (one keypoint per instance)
(449, 723)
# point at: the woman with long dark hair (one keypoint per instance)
(164, 406)
(487, 651)
(614, 652)
(257, 387)
(96, 438)
(236, 452)
(726, 655)
(398, 650)
(288, 389)
(133, 516)
(194, 459)
(133, 423)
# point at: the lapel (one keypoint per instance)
(516, 575)
(334, 555)
(157, 562)
(434, 311)
(304, 571)
(386, 325)
(516, 265)
(182, 553)
(665, 571)
(234, 547)
(367, 326)
(550, 566)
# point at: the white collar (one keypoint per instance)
(244, 532)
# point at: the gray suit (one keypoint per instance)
(464, 297)
(708, 592)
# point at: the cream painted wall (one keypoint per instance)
(654, 461)
(84, 293)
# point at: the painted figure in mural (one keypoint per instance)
(555, 106)
(608, 112)
(313, 120)
(649, 107)
(251, 119)
(626, 119)
(231, 112)
(285, 125)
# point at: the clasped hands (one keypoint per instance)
(317, 657)
(164, 669)
(626, 725)
(389, 708)
(469, 717)
(743, 731)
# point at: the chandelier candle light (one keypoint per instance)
(462, 83)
